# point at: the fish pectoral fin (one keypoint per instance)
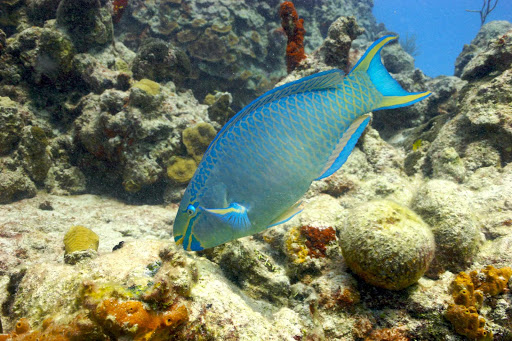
(235, 215)
(345, 146)
(287, 215)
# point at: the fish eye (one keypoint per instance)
(191, 210)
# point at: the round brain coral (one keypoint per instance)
(386, 244)
(80, 238)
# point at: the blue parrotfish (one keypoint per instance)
(260, 164)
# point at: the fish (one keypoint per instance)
(259, 165)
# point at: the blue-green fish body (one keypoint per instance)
(265, 158)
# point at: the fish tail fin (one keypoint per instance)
(393, 94)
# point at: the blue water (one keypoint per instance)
(442, 27)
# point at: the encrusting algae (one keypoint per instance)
(468, 293)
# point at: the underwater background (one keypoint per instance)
(439, 27)
(107, 107)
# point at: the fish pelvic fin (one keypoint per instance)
(287, 215)
(235, 215)
(393, 94)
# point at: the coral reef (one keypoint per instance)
(11, 123)
(80, 328)
(150, 87)
(387, 334)
(81, 113)
(219, 109)
(336, 46)
(63, 177)
(234, 46)
(455, 226)
(38, 11)
(14, 183)
(88, 25)
(80, 243)
(386, 244)
(121, 141)
(294, 29)
(32, 152)
(490, 31)
(161, 62)
(110, 317)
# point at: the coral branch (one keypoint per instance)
(486, 9)
(293, 26)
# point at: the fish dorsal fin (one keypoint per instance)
(287, 215)
(344, 146)
(319, 81)
(235, 215)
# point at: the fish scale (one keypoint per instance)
(265, 158)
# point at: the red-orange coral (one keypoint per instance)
(347, 297)
(317, 238)
(80, 328)
(132, 318)
(119, 7)
(387, 334)
(294, 28)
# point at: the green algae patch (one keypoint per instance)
(197, 138)
(121, 65)
(39, 135)
(148, 86)
(181, 169)
(7, 102)
(387, 244)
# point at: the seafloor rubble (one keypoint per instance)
(97, 137)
